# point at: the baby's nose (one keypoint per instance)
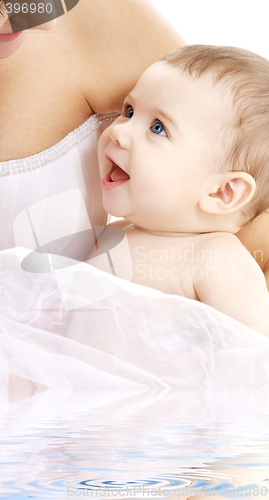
(119, 133)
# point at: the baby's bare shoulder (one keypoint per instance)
(221, 238)
(225, 250)
(224, 242)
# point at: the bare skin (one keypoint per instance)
(213, 268)
(86, 64)
(179, 227)
(57, 79)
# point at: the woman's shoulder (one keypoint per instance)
(118, 40)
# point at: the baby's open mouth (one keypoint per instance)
(115, 177)
(117, 174)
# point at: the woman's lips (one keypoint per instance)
(8, 37)
(115, 177)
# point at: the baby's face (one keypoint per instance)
(155, 158)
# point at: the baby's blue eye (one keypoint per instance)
(129, 113)
(158, 128)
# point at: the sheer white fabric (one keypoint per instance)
(123, 340)
(133, 341)
(69, 165)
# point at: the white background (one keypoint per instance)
(242, 23)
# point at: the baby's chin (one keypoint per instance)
(111, 207)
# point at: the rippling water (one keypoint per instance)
(152, 448)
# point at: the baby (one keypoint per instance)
(187, 165)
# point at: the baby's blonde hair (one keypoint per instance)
(247, 75)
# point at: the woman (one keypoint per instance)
(255, 237)
(53, 79)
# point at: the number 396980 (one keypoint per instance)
(25, 8)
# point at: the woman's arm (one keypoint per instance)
(118, 40)
(266, 273)
(255, 237)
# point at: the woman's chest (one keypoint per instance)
(41, 102)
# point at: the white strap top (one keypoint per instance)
(53, 183)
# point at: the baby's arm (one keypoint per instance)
(233, 283)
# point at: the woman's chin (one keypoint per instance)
(7, 48)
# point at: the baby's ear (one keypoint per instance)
(232, 191)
